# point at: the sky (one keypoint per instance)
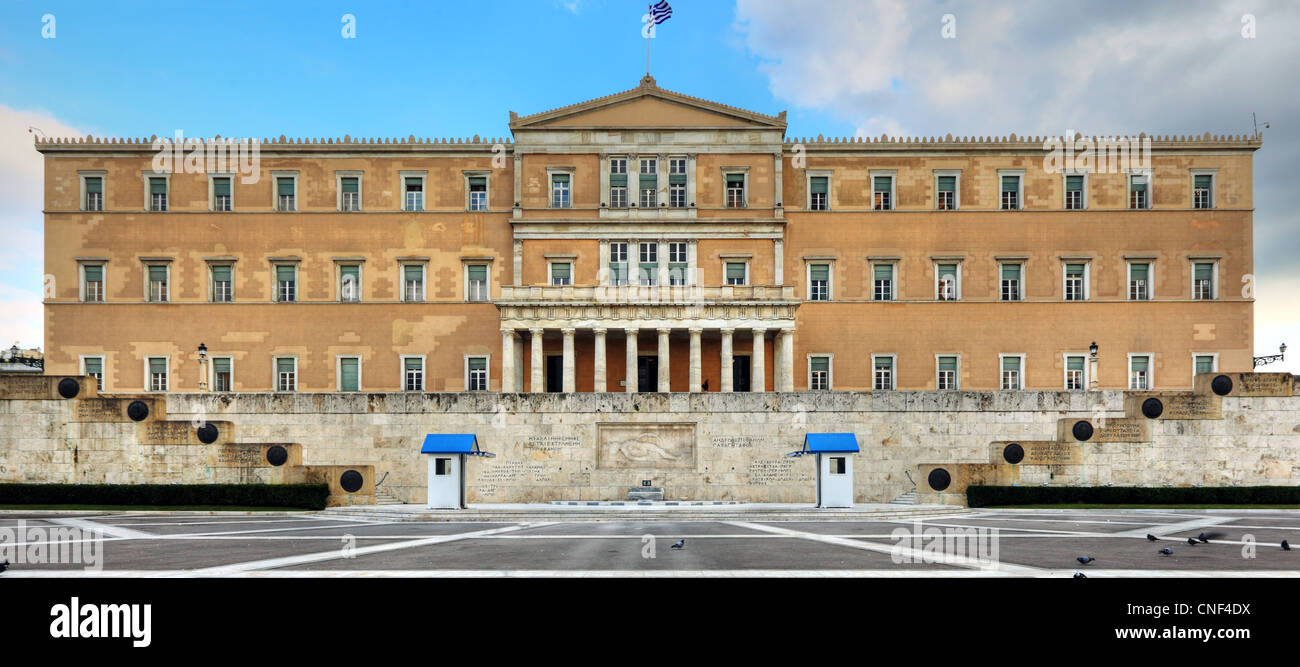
(839, 67)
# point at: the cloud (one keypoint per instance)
(22, 188)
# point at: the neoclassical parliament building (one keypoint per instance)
(647, 241)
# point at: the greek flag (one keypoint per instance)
(660, 12)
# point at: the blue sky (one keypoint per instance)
(840, 68)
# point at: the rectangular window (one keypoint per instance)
(286, 374)
(677, 182)
(618, 270)
(883, 374)
(157, 373)
(1139, 286)
(735, 273)
(94, 367)
(819, 373)
(648, 183)
(1011, 373)
(413, 282)
(1074, 282)
(351, 200)
(350, 283)
(414, 193)
(1203, 191)
(677, 264)
(561, 273)
(158, 282)
(349, 374)
(1203, 281)
(819, 282)
(819, 193)
(477, 374)
(735, 191)
(618, 182)
(221, 200)
(1010, 193)
(882, 193)
(286, 283)
(1011, 282)
(1074, 192)
(648, 263)
(560, 195)
(1139, 376)
(478, 194)
(947, 368)
(222, 374)
(882, 282)
(413, 374)
(1074, 372)
(946, 286)
(93, 275)
(476, 276)
(286, 193)
(222, 283)
(157, 193)
(946, 189)
(94, 193)
(1204, 363)
(836, 465)
(1137, 191)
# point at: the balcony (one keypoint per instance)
(641, 294)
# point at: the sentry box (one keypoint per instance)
(447, 452)
(834, 453)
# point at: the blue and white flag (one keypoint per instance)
(660, 12)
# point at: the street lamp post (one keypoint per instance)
(1260, 361)
(203, 367)
(1092, 366)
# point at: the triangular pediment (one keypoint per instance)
(647, 106)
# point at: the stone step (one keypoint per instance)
(908, 498)
(641, 514)
(384, 497)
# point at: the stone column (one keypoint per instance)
(630, 371)
(508, 361)
(519, 365)
(598, 374)
(570, 382)
(786, 363)
(696, 373)
(757, 375)
(726, 360)
(664, 375)
(538, 383)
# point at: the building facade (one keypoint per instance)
(647, 241)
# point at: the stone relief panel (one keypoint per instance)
(640, 446)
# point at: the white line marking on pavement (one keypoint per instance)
(334, 554)
(1162, 529)
(641, 574)
(913, 555)
(105, 528)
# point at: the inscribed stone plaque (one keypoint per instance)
(1261, 384)
(1116, 429)
(638, 446)
(1177, 404)
(1039, 452)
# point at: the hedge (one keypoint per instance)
(989, 496)
(305, 496)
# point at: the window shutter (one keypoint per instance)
(284, 365)
(1138, 183)
(821, 364)
(284, 186)
(157, 365)
(1204, 271)
(820, 185)
(284, 273)
(413, 272)
(221, 187)
(413, 183)
(412, 364)
(677, 179)
(1138, 271)
(478, 363)
(1074, 363)
(882, 183)
(820, 271)
(94, 185)
(348, 374)
(947, 363)
(735, 271)
(618, 180)
(1010, 363)
(884, 362)
(221, 364)
(947, 184)
(559, 178)
(1074, 269)
(1010, 183)
(560, 270)
(477, 272)
(158, 274)
(1203, 182)
(94, 365)
(1073, 183)
(649, 181)
(478, 181)
(157, 186)
(351, 184)
(94, 274)
(1205, 364)
(1011, 272)
(221, 273)
(883, 271)
(735, 180)
(1140, 363)
(948, 270)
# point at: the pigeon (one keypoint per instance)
(1167, 551)
(1191, 541)
(1203, 538)
(1151, 538)
(1080, 575)
(706, 385)
(4, 566)
(680, 544)
(1085, 559)
(1285, 547)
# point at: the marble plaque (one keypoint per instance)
(1039, 452)
(1114, 429)
(1261, 384)
(642, 446)
(1177, 404)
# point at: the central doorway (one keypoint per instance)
(555, 373)
(740, 373)
(647, 373)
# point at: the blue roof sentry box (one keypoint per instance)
(829, 443)
(452, 443)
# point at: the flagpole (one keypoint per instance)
(650, 15)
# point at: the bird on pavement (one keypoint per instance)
(1285, 546)
(1192, 541)
(1151, 538)
(1080, 575)
(1085, 559)
(4, 566)
(1203, 538)
(679, 544)
(1167, 551)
